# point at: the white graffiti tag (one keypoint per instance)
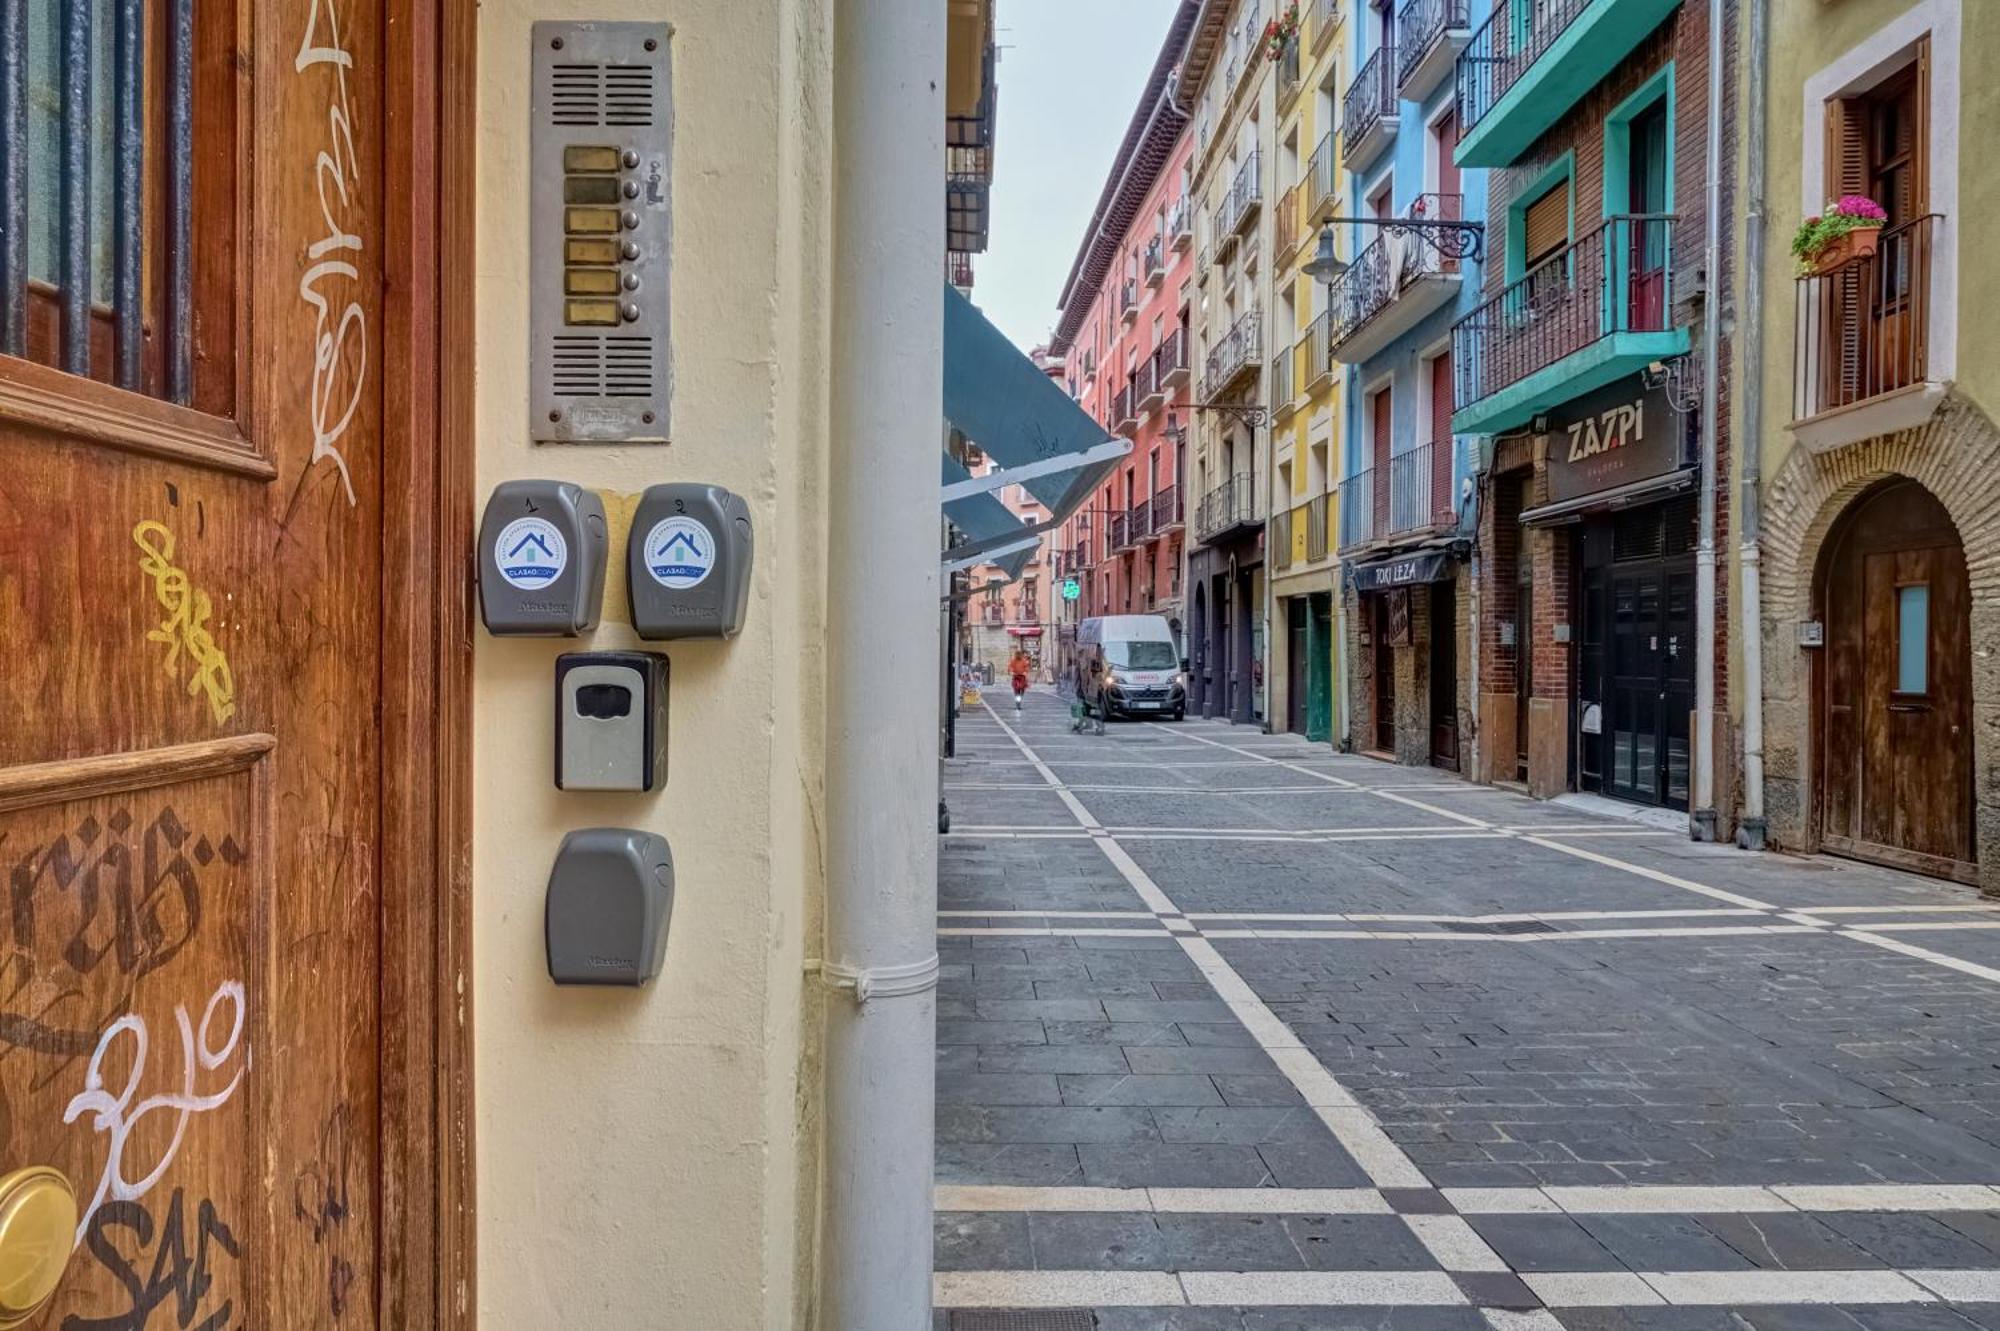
(116, 1115)
(337, 173)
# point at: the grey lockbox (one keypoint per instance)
(611, 721)
(610, 899)
(542, 547)
(687, 562)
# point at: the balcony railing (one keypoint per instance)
(1146, 391)
(1166, 509)
(1245, 193)
(1228, 506)
(1285, 222)
(1122, 415)
(1180, 224)
(1288, 73)
(1420, 490)
(1615, 279)
(958, 269)
(1139, 522)
(1115, 532)
(1128, 301)
(1390, 266)
(1318, 343)
(1370, 101)
(1322, 181)
(1357, 509)
(1170, 361)
(1222, 227)
(1241, 349)
(1326, 21)
(1316, 513)
(1513, 37)
(1281, 381)
(1281, 540)
(1864, 331)
(1421, 27)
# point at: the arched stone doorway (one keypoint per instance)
(1892, 724)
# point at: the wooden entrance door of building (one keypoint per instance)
(1388, 623)
(1895, 686)
(1444, 674)
(233, 730)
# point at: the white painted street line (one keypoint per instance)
(1532, 1319)
(1862, 935)
(1726, 1288)
(1048, 931)
(1664, 1199)
(1502, 1201)
(1960, 1286)
(1196, 1201)
(1057, 1289)
(1531, 917)
(1554, 936)
(1327, 777)
(1892, 1197)
(1044, 915)
(1968, 906)
(1321, 1289)
(1919, 926)
(1453, 1244)
(1352, 1126)
(1591, 1289)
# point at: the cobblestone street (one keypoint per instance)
(1236, 1032)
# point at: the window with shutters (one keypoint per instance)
(1865, 327)
(119, 174)
(1544, 235)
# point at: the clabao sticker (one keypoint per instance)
(530, 553)
(680, 552)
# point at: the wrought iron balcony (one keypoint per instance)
(1229, 507)
(958, 269)
(1128, 302)
(1245, 193)
(1862, 333)
(1123, 418)
(1288, 73)
(1166, 503)
(1155, 265)
(1398, 280)
(1139, 522)
(1368, 112)
(1318, 344)
(1281, 383)
(1322, 183)
(1239, 353)
(1316, 515)
(1357, 510)
(1281, 539)
(1613, 283)
(1221, 228)
(1429, 36)
(1285, 228)
(1180, 224)
(1115, 531)
(1326, 16)
(1146, 390)
(1420, 498)
(1170, 365)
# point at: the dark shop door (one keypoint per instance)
(1638, 658)
(1444, 675)
(1296, 658)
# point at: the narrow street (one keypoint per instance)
(1237, 1032)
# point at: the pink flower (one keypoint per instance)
(1860, 205)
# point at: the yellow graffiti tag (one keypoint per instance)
(186, 626)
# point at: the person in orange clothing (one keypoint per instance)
(1018, 668)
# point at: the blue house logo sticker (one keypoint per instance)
(680, 552)
(530, 553)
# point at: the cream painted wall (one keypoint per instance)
(647, 1157)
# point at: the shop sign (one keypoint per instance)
(1404, 571)
(1611, 437)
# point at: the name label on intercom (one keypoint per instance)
(600, 223)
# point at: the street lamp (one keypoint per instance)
(1325, 266)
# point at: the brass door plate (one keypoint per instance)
(38, 1217)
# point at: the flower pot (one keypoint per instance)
(1847, 248)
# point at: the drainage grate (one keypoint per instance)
(1053, 1319)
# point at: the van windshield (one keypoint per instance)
(1141, 655)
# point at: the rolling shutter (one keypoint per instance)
(1546, 224)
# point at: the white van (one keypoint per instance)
(1130, 665)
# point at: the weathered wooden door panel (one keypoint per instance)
(190, 763)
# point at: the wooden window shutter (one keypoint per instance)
(1845, 303)
(1920, 126)
(1547, 224)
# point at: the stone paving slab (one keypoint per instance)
(1755, 1065)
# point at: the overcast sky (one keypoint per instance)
(1069, 78)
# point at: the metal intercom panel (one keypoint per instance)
(600, 223)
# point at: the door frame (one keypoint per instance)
(425, 1268)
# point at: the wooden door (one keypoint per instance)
(1385, 672)
(1380, 419)
(1295, 665)
(1895, 708)
(215, 584)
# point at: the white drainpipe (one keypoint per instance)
(882, 635)
(1703, 819)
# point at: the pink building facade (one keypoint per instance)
(1123, 336)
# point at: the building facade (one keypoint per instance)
(1123, 333)
(1407, 508)
(1601, 624)
(1227, 85)
(1868, 403)
(1307, 428)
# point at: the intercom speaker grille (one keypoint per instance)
(592, 94)
(608, 366)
